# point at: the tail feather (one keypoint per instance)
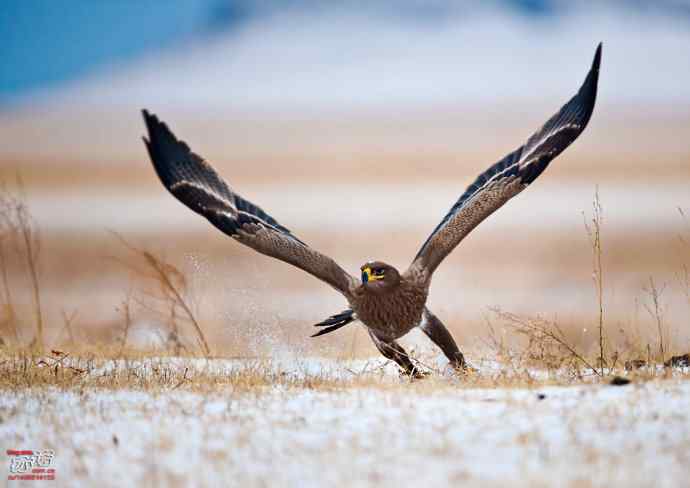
(335, 322)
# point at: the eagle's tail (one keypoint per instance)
(335, 322)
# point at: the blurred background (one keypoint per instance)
(356, 125)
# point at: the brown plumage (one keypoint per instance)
(391, 305)
(387, 302)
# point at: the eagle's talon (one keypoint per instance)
(414, 374)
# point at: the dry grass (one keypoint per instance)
(593, 229)
(18, 229)
(655, 310)
(172, 293)
(133, 371)
(145, 372)
(546, 344)
(685, 266)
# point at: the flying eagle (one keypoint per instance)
(388, 302)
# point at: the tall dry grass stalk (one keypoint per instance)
(685, 283)
(172, 286)
(9, 319)
(127, 313)
(685, 269)
(19, 227)
(656, 311)
(593, 228)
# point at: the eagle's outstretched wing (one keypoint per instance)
(196, 184)
(511, 175)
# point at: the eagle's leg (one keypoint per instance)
(395, 352)
(437, 332)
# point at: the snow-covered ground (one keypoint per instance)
(389, 433)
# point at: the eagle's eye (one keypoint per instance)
(379, 272)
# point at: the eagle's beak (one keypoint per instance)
(368, 275)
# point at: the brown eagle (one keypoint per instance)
(388, 302)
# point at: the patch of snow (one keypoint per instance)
(599, 435)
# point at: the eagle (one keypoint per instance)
(387, 301)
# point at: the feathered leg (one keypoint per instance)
(439, 335)
(395, 352)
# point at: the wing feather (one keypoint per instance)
(197, 185)
(511, 175)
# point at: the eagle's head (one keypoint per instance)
(379, 276)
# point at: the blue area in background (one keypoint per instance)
(46, 42)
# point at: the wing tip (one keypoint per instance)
(596, 62)
(593, 75)
(152, 123)
(149, 118)
(161, 144)
(159, 132)
(587, 95)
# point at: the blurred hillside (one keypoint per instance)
(307, 54)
